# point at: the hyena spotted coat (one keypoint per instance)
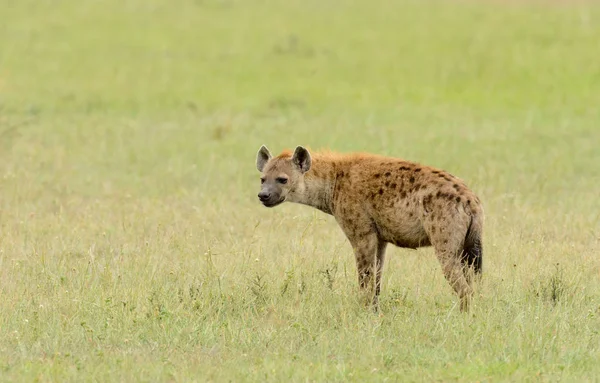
(378, 200)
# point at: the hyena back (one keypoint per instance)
(378, 200)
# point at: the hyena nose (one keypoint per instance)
(263, 196)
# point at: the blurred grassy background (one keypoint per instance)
(133, 247)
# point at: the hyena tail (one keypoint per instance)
(473, 248)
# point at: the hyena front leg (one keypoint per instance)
(365, 251)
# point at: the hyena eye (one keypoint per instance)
(282, 180)
(262, 180)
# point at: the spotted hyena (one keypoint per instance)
(378, 200)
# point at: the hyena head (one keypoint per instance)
(282, 177)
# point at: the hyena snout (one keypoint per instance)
(264, 195)
(270, 197)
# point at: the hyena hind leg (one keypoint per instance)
(455, 275)
(472, 254)
(381, 247)
(471, 260)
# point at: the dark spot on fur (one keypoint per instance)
(468, 202)
(407, 203)
(455, 186)
(427, 199)
(432, 229)
(447, 178)
(387, 174)
(458, 199)
(445, 241)
(403, 194)
(443, 195)
(404, 168)
(441, 175)
(377, 175)
(341, 174)
(410, 215)
(387, 183)
(417, 170)
(436, 172)
(412, 180)
(393, 186)
(380, 191)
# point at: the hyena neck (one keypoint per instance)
(318, 187)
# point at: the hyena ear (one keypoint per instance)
(262, 158)
(301, 158)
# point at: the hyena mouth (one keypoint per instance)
(273, 203)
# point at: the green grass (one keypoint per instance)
(132, 246)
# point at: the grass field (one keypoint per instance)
(132, 244)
